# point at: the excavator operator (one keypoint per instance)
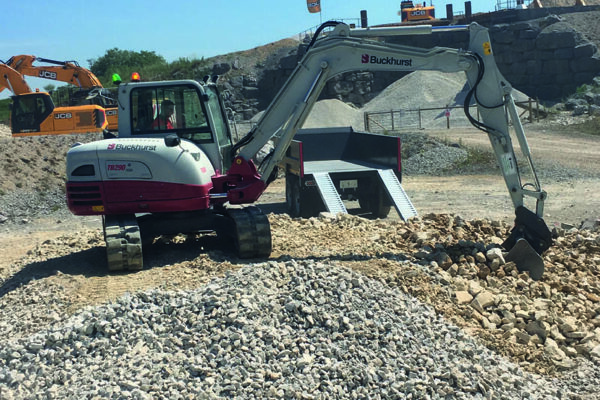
(164, 119)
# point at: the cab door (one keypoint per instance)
(28, 111)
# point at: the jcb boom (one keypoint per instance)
(90, 87)
(181, 174)
(33, 113)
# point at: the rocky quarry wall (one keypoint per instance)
(545, 58)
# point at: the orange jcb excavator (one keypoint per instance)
(34, 113)
(411, 12)
(90, 88)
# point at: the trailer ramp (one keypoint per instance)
(329, 194)
(399, 197)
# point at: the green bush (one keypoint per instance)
(589, 127)
(4, 111)
(150, 66)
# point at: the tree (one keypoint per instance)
(49, 87)
(124, 62)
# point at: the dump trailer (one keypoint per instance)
(326, 166)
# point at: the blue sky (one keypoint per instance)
(82, 30)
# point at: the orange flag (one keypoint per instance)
(314, 6)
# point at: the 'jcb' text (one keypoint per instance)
(47, 74)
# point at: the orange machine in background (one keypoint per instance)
(34, 113)
(410, 12)
(90, 88)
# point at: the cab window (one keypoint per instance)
(218, 117)
(175, 108)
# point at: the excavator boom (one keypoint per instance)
(63, 71)
(345, 50)
(12, 80)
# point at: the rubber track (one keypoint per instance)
(123, 243)
(251, 232)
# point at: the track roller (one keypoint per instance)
(250, 231)
(123, 242)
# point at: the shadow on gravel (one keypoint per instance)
(90, 262)
(275, 208)
(353, 209)
(346, 257)
(161, 254)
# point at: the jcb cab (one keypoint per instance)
(34, 114)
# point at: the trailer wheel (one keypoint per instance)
(375, 203)
(310, 203)
(292, 195)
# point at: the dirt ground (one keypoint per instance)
(470, 196)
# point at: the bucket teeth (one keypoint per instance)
(526, 259)
(529, 238)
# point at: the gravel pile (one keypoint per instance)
(422, 155)
(291, 329)
(23, 205)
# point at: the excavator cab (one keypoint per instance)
(28, 111)
(198, 116)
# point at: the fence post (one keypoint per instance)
(447, 113)
(392, 114)
(366, 121)
(420, 118)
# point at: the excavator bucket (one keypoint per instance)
(529, 238)
(526, 259)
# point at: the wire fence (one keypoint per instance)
(419, 118)
(436, 117)
(512, 4)
(240, 128)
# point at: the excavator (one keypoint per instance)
(90, 90)
(410, 12)
(34, 113)
(153, 181)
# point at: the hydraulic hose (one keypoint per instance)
(248, 137)
(319, 30)
(473, 92)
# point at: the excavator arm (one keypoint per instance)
(12, 80)
(63, 71)
(344, 50)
